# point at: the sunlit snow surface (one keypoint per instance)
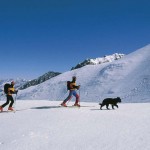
(43, 125)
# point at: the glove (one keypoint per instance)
(16, 92)
(78, 87)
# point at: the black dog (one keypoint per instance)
(112, 101)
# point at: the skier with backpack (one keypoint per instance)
(9, 90)
(71, 86)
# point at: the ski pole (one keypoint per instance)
(62, 96)
(65, 94)
(15, 102)
(79, 96)
(69, 100)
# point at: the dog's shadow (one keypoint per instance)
(101, 109)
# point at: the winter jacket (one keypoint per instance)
(73, 86)
(11, 90)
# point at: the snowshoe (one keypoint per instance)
(11, 109)
(1, 108)
(63, 104)
(76, 104)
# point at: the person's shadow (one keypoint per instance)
(45, 107)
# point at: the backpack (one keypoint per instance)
(6, 86)
(68, 85)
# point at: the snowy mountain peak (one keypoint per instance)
(100, 60)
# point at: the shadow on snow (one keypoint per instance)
(45, 107)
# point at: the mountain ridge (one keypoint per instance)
(99, 60)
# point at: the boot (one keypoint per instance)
(1, 108)
(63, 104)
(76, 104)
(10, 108)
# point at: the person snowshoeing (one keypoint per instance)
(11, 90)
(72, 91)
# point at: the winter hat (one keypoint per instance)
(12, 82)
(74, 77)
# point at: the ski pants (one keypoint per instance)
(9, 98)
(72, 93)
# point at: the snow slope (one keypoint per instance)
(128, 78)
(42, 125)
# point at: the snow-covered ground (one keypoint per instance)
(42, 125)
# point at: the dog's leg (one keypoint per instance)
(116, 105)
(101, 106)
(112, 106)
(107, 106)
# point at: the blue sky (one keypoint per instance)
(37, 36)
